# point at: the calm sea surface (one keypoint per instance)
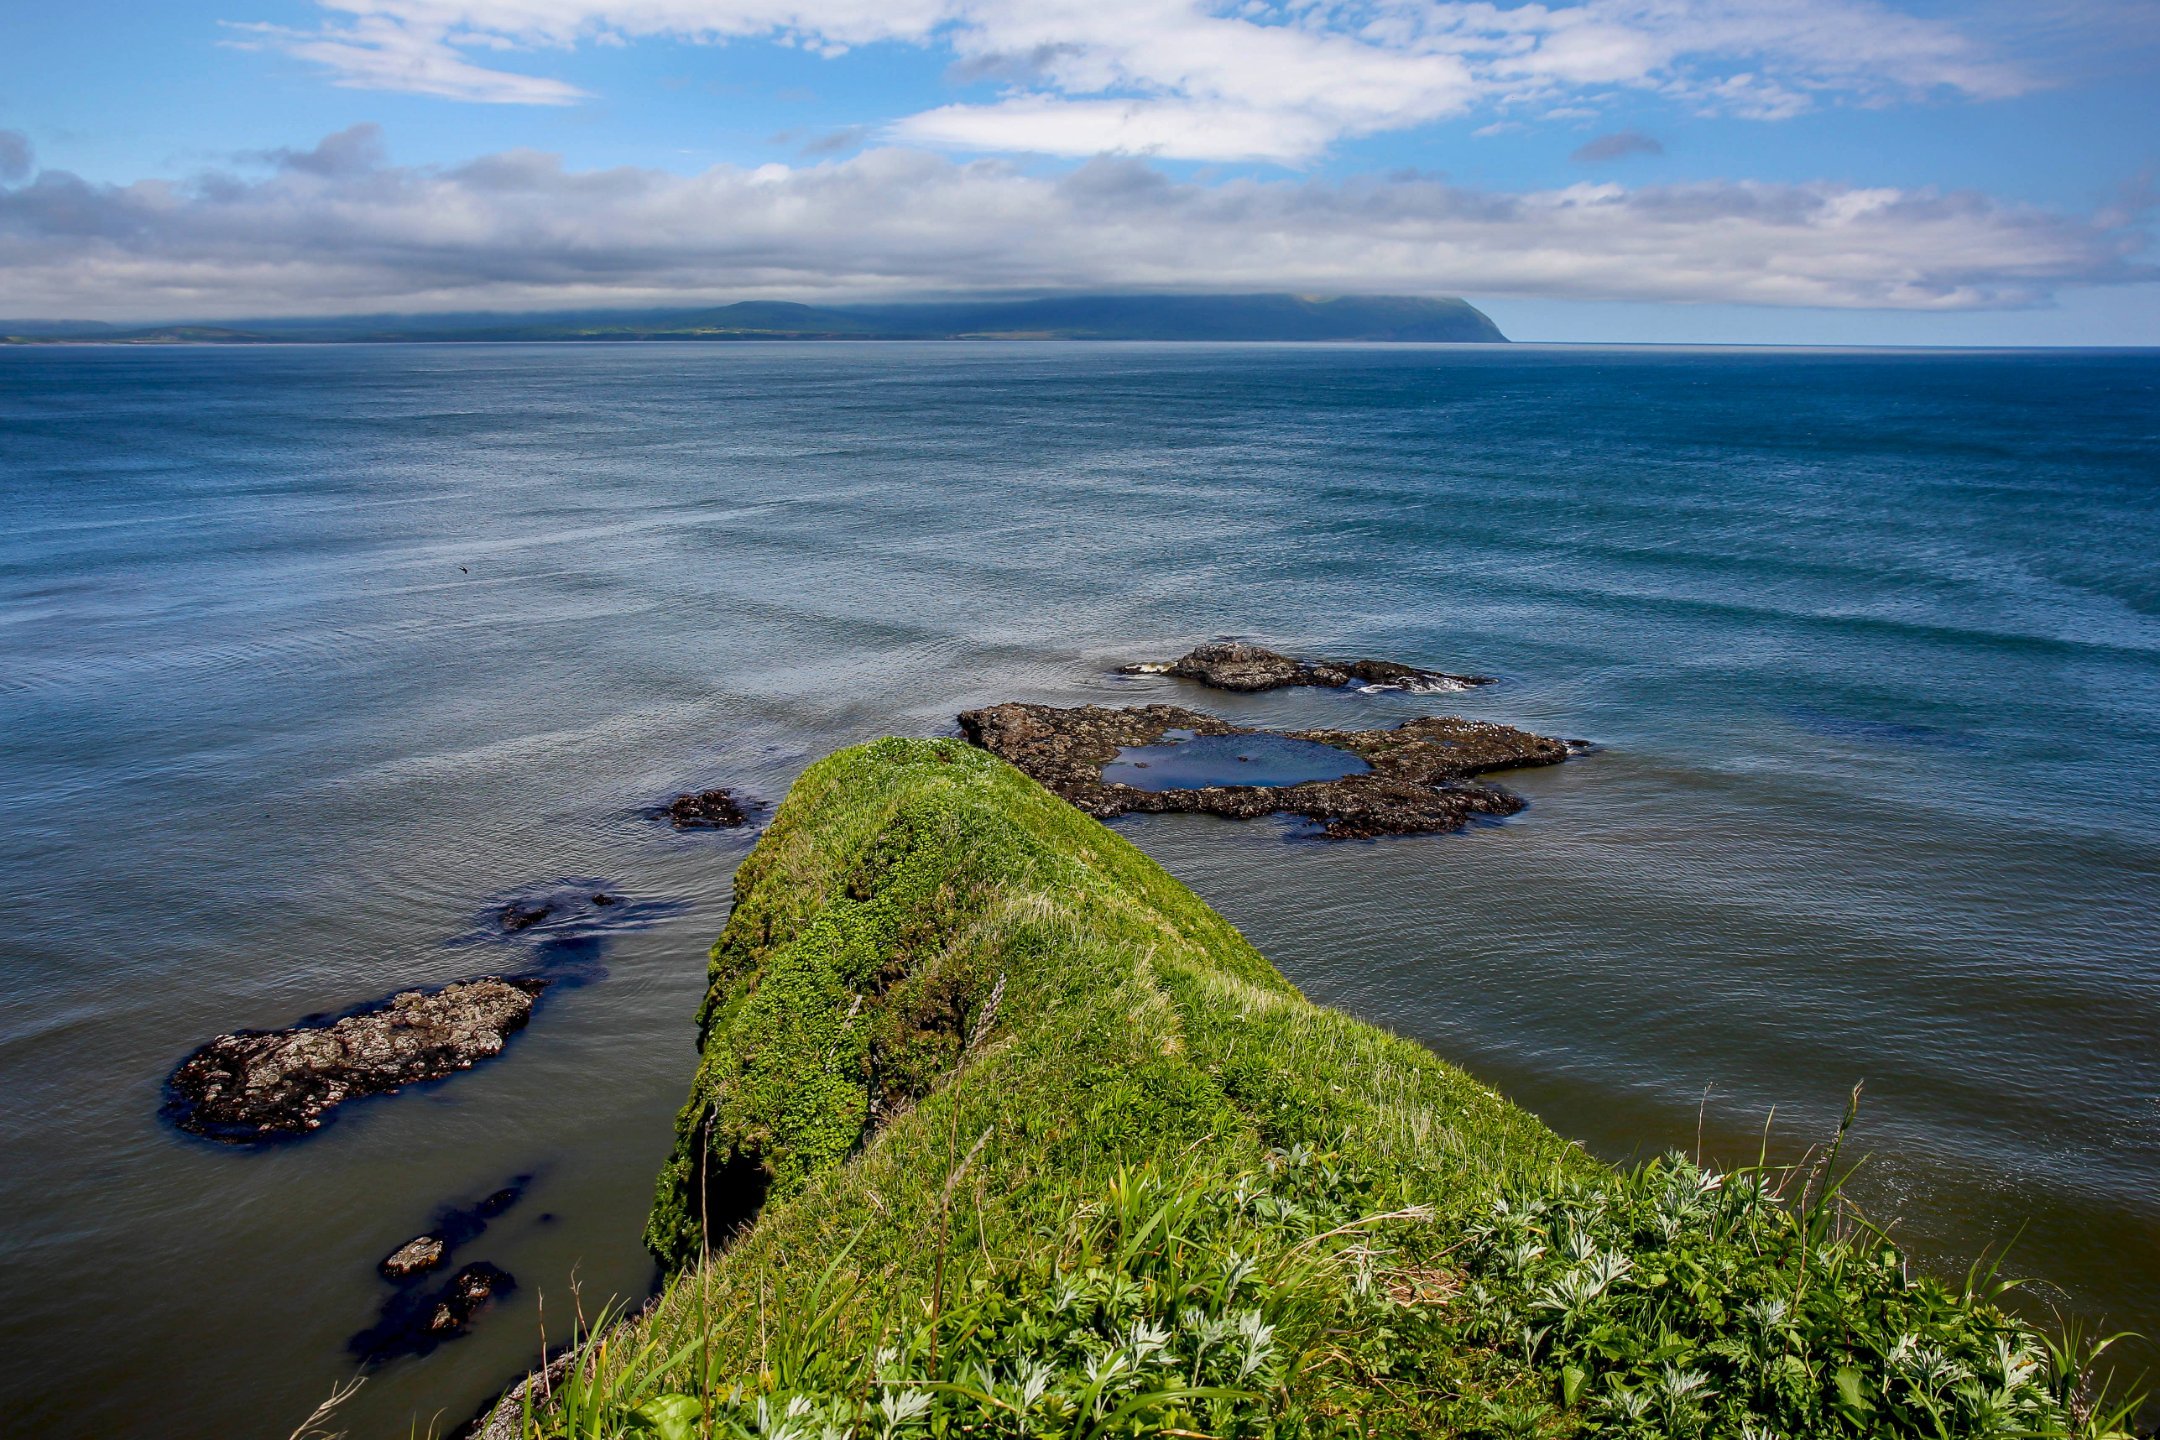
(310, 657)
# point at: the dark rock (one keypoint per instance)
(1235, 665)
(451, 1229)
(462, 1224)
(414, 1323)
(503, 1417)
(468, 1290)
(415, 1256)
(707, 810)
(519, 915)
(256, 1084)
(1420, 780)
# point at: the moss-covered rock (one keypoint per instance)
(899, 895)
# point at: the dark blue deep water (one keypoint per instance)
(311, 657)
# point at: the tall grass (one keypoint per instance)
(1171, 1303)
(1668, 1301)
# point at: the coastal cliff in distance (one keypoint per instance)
(999, 1130)
(1370, 318)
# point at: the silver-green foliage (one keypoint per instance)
(1676, 1301)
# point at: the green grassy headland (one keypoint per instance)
(1000, 1130)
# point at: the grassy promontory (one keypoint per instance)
(999, 1130)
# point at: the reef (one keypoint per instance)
(1420, 781)
(260, 1085)
(1235, 665)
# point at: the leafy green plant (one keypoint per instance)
(1678, 1301)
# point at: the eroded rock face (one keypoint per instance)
(707, 810)
(1420, 781)
(1235, 665)
(257, 1085)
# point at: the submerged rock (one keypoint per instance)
(414, 1323)
(468, 1290)
(1235, 665)
(451, 1228)
(1419, 781)
(521, 915)
(422, 1253)
(257, 1084)
(707, 810)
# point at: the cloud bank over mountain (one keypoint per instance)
(338, 227)
(1840, 154)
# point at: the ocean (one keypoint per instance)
(312, 658)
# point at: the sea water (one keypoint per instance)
(311, 659)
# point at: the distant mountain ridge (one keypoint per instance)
(1384, 318)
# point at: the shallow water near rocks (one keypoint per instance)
(1191, 762)
(312, 659)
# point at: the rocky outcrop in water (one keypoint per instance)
(468, 1290)
(707, 810)
(1420, 781)
(258, 1085)
(415, 1322)
(419, 1254)
(1235, 665)
(523, 915)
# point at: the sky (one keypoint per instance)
(1744, 171)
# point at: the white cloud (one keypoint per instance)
(1174, 77)
(1188, 130)
(337, 229)
(376, 53)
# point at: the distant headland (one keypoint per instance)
(1406, 319)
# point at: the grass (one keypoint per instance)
(1000, 1131)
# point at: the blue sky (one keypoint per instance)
(1846, 171)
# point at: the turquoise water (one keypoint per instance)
(311, 658)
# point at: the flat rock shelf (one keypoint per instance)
(265, 1084)
(1419, 781)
